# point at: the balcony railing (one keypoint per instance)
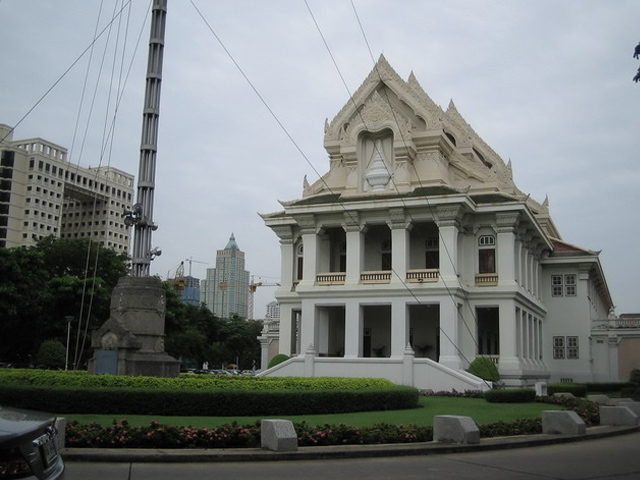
(423, 276)
(633, 323)
(486, 280)
(333, 278)
(376, 277)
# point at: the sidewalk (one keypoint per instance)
(130, 455)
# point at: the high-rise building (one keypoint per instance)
(273, 310)
(225, 291)
(42, 194)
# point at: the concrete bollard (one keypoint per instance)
(455, 429)
(617, 416)
(541, 389)
(564, 394)
(278, 435)
(562, 422)
(630, 404)
(601, 399)
(61, 426)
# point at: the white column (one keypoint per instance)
(399, 225)
(284, 336)
(399, 253)
(399, 327)
(506, 224)
(449, 334)
(355, 254)
(448, 226)
(308, 330)
(310, 254)
(286, 263)
(508, 357)
(352, 329)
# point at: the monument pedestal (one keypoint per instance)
(131, 341)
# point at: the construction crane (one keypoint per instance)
(192, 261)
(253, 287)
(179, 281)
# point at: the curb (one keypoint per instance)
(131, 455)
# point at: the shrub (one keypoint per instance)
(587, 410)
(278, 359)
(608, 386)
(484, 368)
(511, 395)
(51, 354)
(574, 389)
(631, 393)
(635, 376)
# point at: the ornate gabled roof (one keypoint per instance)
(382, 74)
(561, 248)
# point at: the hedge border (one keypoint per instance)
(205, 403)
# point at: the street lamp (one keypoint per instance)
(69, 320)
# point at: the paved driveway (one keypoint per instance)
(609, 458)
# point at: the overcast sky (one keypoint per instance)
(546, 83)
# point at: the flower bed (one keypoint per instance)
(156, 435)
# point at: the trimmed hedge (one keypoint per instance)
(510, 395)
(576, 390)
(631, 393)
(205, 403)
(189, 381)
(608, 386)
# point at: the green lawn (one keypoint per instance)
(482, 412)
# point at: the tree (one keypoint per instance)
(51, 354)
(238, 343)
(43, 284)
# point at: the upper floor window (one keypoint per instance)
(566, 348)
(385, 255)
(299, 261)
(343, 256)
(486, 254)
(563, 285)
(432, 255)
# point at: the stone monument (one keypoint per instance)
(131, 341)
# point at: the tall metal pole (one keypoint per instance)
(141, 215)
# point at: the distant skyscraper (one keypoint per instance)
(273, 310)
(225, 291)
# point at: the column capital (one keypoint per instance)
(507, 222)
(284, 233)
(398, 219)
(351, 222)
(449, 215)
(307, 223)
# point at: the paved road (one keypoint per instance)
(610, 458)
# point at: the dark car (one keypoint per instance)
(29, 445)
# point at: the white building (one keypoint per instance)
(416, 252)
(42, 194)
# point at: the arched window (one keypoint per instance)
(486, 254)
(299, 261)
